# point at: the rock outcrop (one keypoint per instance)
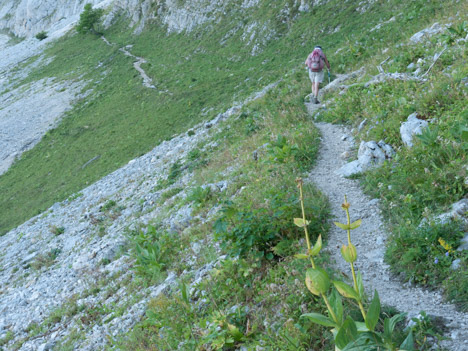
(412, 126)
(26, 18)
(371, 154)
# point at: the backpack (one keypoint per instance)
(315, 61)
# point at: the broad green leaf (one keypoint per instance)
(301, 256)
(341, 225)
(235, 332)
(390, 323)
(300, 222)
(349, 253)
(184, 292)
(374, 312)
(337, 305)
(355, 224)
(311, 287)
(346, 290)
(361, 327)
(365, 341)
(317, 247)
(318, 318)
(408, 344)
(317, 281)
(347, 334)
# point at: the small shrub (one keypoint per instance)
(57, 230)
(200, 195)
(280, 150)
(258, 231)
(174, 173)
(46, 259)
(41, 35)
(196, 159)
(170, 193)
(89, 19)
(152, 251)
(108, 205)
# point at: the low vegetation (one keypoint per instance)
(254, 295)
(425, 180)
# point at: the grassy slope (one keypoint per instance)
(272, 291)
(122, 120)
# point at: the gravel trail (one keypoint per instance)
(370, 238)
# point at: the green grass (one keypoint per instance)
(122, 120)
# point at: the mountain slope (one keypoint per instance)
(147, 257)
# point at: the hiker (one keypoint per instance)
(315, 63)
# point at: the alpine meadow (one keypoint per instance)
(169, 180)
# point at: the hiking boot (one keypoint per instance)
(316, 101)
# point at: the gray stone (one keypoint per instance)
(411, 66)
(456, 264)
(412, 126)
(370, 154)
(427, 32)
(373, 203)
(463, 244)
(362, 124)
(304, 7)
(29, 258)
(460, 207)
(350, 169)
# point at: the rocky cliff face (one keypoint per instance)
(26, 18)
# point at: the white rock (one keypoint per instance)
(463, 244)
(350, 169)
(460, 207)
(455, 264)
(362, 124)
(427, 32)
(370, 154)
(412, 126)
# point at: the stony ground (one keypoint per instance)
(370, 238)
(57, 257)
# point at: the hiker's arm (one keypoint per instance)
(327, 63)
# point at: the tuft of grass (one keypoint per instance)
(57, 230)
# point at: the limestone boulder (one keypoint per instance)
(412, 126)
(370, 154)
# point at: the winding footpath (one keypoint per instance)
(370, 238)
(147, 81)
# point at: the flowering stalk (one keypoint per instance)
(352, 251)
(321, 289)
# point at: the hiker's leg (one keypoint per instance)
(312, 79)
(316, 88)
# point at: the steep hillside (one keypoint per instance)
(197, 75)
(157, 212)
